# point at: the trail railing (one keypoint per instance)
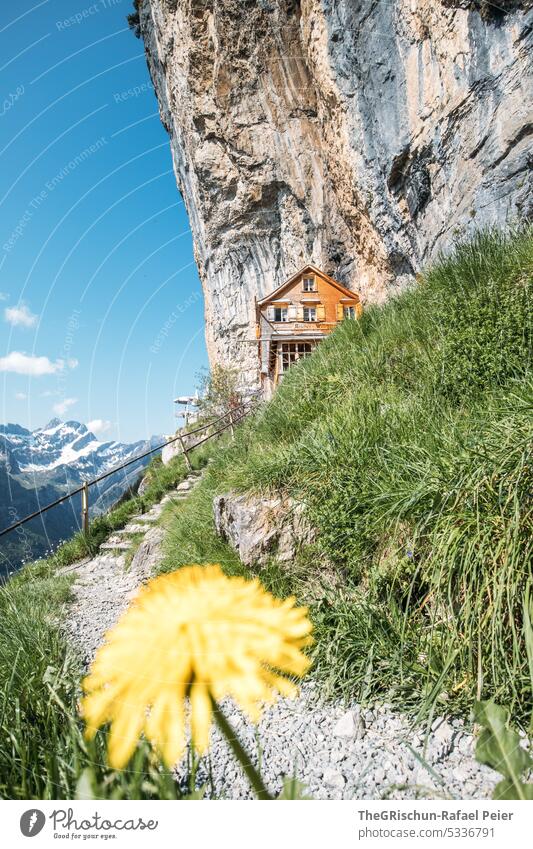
(233, 417)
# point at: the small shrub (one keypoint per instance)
(134, 19)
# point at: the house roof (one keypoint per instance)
(306, 270)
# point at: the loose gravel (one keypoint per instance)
(103, 590)
(347, 753)
(336, 751)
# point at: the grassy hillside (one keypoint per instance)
(42, 750)
(408, 436)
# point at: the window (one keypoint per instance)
(280, 313)
(309, 313)
(349, 312)
(309, 284)
(291, 352)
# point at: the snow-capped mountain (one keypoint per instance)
(38, 466)
(63, 449)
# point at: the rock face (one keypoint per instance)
(360, 137)
(259, 528)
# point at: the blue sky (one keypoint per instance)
(101, 310)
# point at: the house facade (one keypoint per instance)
(293, 319)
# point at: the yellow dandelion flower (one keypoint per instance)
(194, 634)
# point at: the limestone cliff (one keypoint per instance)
(359, 135)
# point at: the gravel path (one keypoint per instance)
(341, 753)
(102, 591)
(104, 586)
(338, 752)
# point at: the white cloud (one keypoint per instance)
(20, 316)
(99, 426)
(62, 406)
(20, 396)
(20, 363)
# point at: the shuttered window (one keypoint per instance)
(349, 312)
(309, 313)
(280, 313)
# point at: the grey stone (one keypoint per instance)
(442, 738)
(349, 725)
(115, 546)
(148, 555)
(144, 484)
(333, 778)
(135, 528)
(460, 773)
(259, 528)
(170, 451)
(330, 142)
(437, 722)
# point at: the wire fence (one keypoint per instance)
(235, 415)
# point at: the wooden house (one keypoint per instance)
(293, 319)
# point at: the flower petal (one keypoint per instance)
(197, 632)
(124, 735)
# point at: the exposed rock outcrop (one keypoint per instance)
(259, 528)
(357, 136)
(148, 555)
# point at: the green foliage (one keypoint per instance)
(219, 391)
(294, 791)
(528, 639)
(499, 747)
(191, 536)
(134, 19)
(485, 318)
(43, 754)
(36, 683)
(414, 463)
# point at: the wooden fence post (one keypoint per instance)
(232, 429)
(185, 454)
(85, 508)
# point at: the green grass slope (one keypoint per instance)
(42, 750)
(408, 436)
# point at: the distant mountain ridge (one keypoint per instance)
(38, 466)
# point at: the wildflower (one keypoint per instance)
(193, 633)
